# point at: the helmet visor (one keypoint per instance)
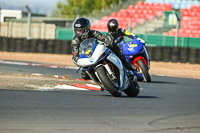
(79, 31)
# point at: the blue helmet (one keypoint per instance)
(82, 27)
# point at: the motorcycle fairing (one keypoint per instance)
(86, 61)
(134, 49)
(89, 56)
(131, 48)
(115, 60)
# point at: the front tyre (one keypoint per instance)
(106, 81)
(144, 69)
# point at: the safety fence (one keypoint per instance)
(151, 39)
(156, 53)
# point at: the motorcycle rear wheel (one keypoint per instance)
(102, 74)
(144, 69)
(133, 89)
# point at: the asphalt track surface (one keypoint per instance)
(167, 105)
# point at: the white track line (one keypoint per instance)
(36, 64)
(68, 87)
(61, 87)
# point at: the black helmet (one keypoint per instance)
(81, 27)
(112, 25)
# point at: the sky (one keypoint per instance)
(36, 6)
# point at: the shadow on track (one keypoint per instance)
(148, 97)
(124, 96)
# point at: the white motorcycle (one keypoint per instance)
(106, 69)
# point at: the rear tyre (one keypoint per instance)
(144, 69)
(133, 89)
(103, 76)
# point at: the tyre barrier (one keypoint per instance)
(158, 54)
(175, 56)
(35, 45)
(184, 55)
(151, 52)
(193, 54)
(198, 56)
(166, 54)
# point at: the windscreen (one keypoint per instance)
(87, 48)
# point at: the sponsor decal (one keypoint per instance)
(118, 61)
(112, 24)
(77, 25)
(92, 60)
(133, 45)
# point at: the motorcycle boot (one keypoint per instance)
(134, 67)
(122, 57)
(132, 75)
(128, 66)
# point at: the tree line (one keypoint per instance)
(72, 8)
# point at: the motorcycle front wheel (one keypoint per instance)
(106, 81)
(145, 71)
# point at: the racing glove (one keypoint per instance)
(141, 40)
(75, 59)
(138, 38)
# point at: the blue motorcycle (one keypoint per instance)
(136, 53)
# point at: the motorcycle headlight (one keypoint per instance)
(131, 56)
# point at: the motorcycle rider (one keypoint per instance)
(119, 33)
(82, 31)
